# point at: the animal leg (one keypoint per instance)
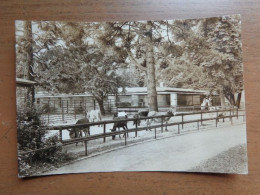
(125, 128)
(148, 125)
(119, 130)
(166, 126)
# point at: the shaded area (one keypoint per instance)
(233, 160)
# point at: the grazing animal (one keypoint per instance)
(120, 114)
(118, 124)
(140, 114)
(78, 132)
(165, 119)
(143, 113)
(221, 116)
(94, 116)
(205, 104)
(137, 121)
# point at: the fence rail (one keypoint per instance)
(232, 113)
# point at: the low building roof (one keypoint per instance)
(129, 91)
(160, 90)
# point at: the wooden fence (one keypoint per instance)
(233, 112)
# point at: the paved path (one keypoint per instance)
(179, 153)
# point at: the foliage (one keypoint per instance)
(209, 57)
(31, 137)
(67, 60)
(79, 57)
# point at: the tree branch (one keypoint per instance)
(133, 60)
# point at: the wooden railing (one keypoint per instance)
(233, 112)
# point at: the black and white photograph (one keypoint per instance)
(160, 95)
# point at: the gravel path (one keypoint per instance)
(233, 160)
(178, 153)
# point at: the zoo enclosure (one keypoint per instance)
(67, 110)
(232, 113)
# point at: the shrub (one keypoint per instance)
(31, 137)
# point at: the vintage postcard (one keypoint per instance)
(130, 96)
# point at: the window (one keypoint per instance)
(188, 100)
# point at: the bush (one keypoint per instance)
(28, 127)
(31, 137)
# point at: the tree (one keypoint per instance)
(68, 60)
(210, 57)
(142, 42)
(223, 62)
(24, 56)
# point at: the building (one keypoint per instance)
(166, 97)
(130, 97)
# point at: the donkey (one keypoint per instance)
(78, 131)
(118, 124)
(165, 119)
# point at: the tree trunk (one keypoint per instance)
(222, 98)
(232, 100)
(29, 56)
(101, 106)
(151, 81)
(238, 100)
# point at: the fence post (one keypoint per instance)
(182, 121)
(162, 124)
(85, 108)
(178, 128)
(231, 116)
(217, 118)
(48, 111)
(125, 137)
(86, 147)
(60, 132)
(201, 117)
(237, 112)
(54, 106)
(155, 133)
(198, 125)
(94, 104)
(75, 114)
(62, 110)
(136, 121)
(104, 131)
(67, 106)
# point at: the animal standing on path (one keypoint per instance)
(78, 131)
(94, 116)
(165, 119)
(140, 114)
(118, 124)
